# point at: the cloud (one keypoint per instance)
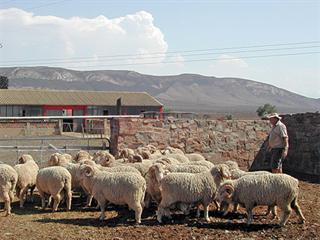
(230, 66)
(96, 43)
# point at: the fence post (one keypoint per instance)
(60, 126)
(114, 135)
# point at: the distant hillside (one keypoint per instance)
(185, 92)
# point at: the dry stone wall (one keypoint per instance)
(218, 140)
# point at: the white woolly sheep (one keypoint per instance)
(81, 156)
(179, 157)
(205, 163)
(269, 189)
(117, 188)
(104, 158)
(186, 168)
(188, 188)
(195, 157)
(169, 150)
(27, 170)
(54, 181)
(8, 181)
(58, 159)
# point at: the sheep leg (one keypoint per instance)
(7, 203)
(235, 207)
(69, 199)
(49, 201)
(286, 210)
(56, 201)
(147, 200)
(250, 216)
(137, 210)
(89, 200)
(102, 203)
(23, 194)
(206, 212)
(68, 194)
(43, 199)
(31, 193)
(297, 209)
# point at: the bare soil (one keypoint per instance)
(34, 223)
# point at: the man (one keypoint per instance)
(278, 142)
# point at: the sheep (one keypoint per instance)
(205, 163)
(58, 159)
(120, 168)
(153, 178)
(268, 189)
(126, 152)
(179, 157)
(195, 157)
(188, 188)
(55, 180)
(81, 156)
(104, 158)
(8, 181)
(27, 170)
(187, 168)
(169, 150)
(117, 188)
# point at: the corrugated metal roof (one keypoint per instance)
(57, 97)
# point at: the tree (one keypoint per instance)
(266, 109)
(4, 82)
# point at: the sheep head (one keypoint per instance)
(104, 158)
(225, 193)
(25, 158)
(220, 172)
(86, 171)
(54, 159)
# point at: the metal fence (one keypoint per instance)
(42, 147)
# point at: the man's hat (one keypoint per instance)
(275, 115)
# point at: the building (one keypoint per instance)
(27, 102)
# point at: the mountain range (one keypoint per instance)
(184, 92)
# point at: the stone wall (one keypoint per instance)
(218, 140)
(29, 128)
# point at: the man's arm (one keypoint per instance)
(286, 147)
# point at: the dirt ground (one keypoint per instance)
(33, 223)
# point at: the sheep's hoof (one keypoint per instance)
(208, 220)
(101, 218)
(302, 221)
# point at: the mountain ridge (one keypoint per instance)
(184, 92)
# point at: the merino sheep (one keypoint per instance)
(104, 158)
(205, 163)
(81, 156)
(188, 188)
(187, 168)
(54, 181)
(270, 189)
(169, 150)
(58, 159)
(195, 157)
(8, 181)
(27, 170)
(117, 188)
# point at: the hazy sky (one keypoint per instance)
(271, 41)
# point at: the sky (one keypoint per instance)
(271, 41)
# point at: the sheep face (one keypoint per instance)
(103, 158)
(25, 158)
(157, 171)
(221, 172)
(54, 159)
(225, 193)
